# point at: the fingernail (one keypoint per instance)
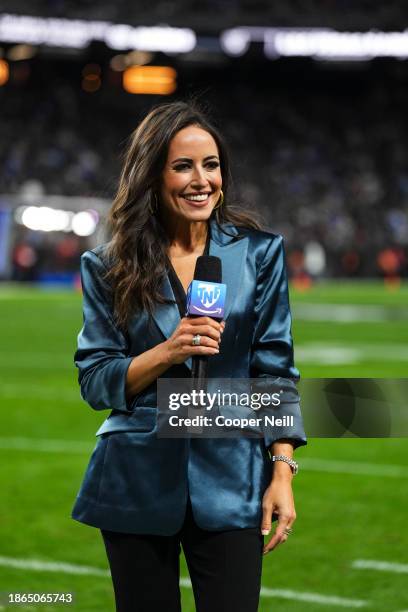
(265, 531)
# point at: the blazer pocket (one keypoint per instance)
(142, 419)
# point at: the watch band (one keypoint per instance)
(291, 462)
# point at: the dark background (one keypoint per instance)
(319, 148)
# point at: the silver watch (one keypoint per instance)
(291, 462)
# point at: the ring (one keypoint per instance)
(288, 530)
(196, 340)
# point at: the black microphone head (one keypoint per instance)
(208, 268)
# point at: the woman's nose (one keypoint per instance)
(199, 176)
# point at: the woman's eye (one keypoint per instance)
(211, 165)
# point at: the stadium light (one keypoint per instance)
(47, 219)
(91, 79)
(19, 53)
(329, 44)
(78, 33)
(235, 41)
(91, 83)
(315, 258)
(84, 223)
(150, 80)
(120, 62)
(4, 72)
(156, 38)
(318, 43)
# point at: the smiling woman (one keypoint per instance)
(190, 190)
(173, 155)
(145, 492)
(190, 184)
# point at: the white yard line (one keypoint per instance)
(327, 600)
(331, 353)
(380, 566)
(348, 313)
(301, 596)
(84, 570)
(47, 566)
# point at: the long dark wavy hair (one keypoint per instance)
(138, 245)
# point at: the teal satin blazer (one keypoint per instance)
(137, 482)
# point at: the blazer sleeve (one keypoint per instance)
(272, 345)
(101, 356)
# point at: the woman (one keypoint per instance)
(146, 493)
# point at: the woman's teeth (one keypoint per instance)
(196, 198)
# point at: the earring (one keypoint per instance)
(220, 201)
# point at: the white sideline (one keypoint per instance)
(301, 596)
(347, 313)
(46, 566)
(328, 600)
(43, 445)
(69, 568)
(332, 354)
(381, 566)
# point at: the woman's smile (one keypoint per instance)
(198, 200)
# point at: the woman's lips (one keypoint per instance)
(197, 203)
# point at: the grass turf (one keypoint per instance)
(340, 517)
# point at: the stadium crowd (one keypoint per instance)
(327, 169)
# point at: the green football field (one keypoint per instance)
(350, 543)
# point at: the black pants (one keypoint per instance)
(225, 569)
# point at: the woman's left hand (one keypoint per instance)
(278, 499)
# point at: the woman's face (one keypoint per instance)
(191, 180)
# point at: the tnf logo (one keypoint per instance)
(208, 294)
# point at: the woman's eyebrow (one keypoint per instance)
(188, 159)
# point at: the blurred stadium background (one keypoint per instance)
(312, 97)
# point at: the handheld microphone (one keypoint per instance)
(205, 297)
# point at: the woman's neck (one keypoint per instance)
(187, 237)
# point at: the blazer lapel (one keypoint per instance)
(167, 316)
(232, 252)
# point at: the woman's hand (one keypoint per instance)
(179, 346)
(278, 499)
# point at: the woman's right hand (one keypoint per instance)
(179, 346)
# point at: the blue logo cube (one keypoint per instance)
(206, 299)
